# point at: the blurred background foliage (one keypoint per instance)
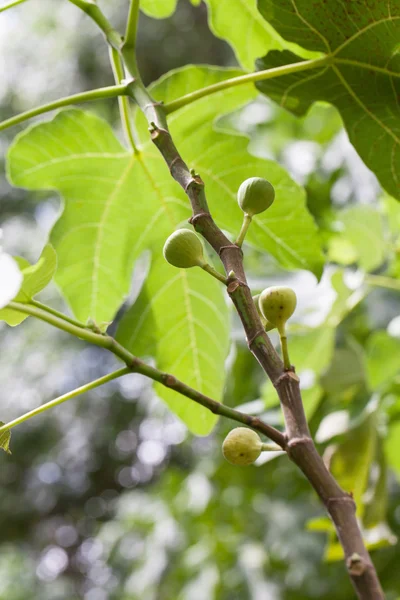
(108, 497)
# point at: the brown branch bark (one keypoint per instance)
(299, 445)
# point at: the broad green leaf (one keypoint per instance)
(361, 238)
(158, 9)
(361, 79)
(382, 355)
(181, 317)
(118, 204)
(35, 278)
(392, 447)
(5, 437)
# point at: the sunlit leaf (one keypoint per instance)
(361, 79)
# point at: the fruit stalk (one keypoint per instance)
(243, 231)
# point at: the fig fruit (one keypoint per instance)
(183, 249)
(277, 304)
(255, 195)
(242, 446)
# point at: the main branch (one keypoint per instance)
(299, 444)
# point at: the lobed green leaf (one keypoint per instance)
(361, 79)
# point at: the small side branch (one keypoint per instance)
(136, 365)
(57, 401)
(247, 78)
(100, 94)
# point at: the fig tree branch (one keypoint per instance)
(297, 440)
(300, 446)
(136, 365)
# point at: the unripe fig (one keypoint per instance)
(183, 249)
(277, 305)
(242, 446)
(255, 195)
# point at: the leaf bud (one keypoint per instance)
(242, 446)
(277, 305)
(255, 195)
(183, 249)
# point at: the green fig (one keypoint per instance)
(242, 446)
(277, 304)
(183, 249)
(255, 195)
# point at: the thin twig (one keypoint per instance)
(77, 392)
(99, 94)
(137, 365)
(243, 79)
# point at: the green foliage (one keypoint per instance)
(120, 206)
(36, 278)
(361, 78)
